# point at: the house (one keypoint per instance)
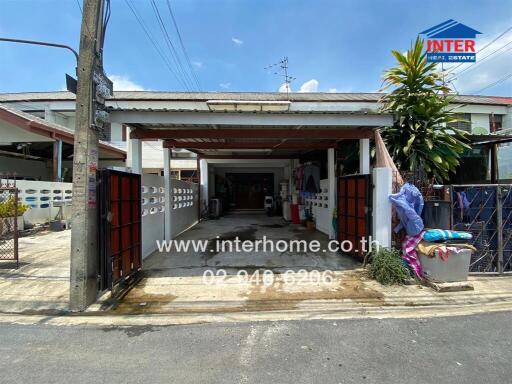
(480, 115)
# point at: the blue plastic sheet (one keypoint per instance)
(409, 205)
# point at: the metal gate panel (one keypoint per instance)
(9, 224)
(487, 214)
(120, 246)
(354, 211)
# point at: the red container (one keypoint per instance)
(294, 213)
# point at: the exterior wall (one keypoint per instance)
(11, 134)
(152, 212)
(320, 208)
(480, 123)
(42, 196)
(184, 198)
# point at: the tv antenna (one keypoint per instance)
(283, 72)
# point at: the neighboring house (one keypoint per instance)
(482, 115)
(33, 148)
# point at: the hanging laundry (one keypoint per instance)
(409, 205)
(311, 182)
(409, 253)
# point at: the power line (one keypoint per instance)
(170, 45)
(485, 46)
(183, 45)
(153, 42)
(494, 84)
(481, 60)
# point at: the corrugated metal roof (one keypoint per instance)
(253, 96)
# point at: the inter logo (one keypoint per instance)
(451, 42)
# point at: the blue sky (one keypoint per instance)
(332, 45)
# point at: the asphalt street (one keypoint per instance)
(470, 349)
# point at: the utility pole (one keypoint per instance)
(83, 279)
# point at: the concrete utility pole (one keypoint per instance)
(83, 287)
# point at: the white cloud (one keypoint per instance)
(285, 88)
(197, 64)
(123, 83)
(332, 90)
(309, 86)
(237, 41)
(225, 85)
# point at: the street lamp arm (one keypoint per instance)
(34, 42)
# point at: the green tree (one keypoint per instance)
(420, 137)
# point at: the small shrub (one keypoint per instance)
(7, 208)
(387, 267)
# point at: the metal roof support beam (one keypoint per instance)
(245, 119)
(287, 133)
(250, 145)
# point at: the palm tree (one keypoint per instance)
(421, 137)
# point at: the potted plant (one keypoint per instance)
(9, 212)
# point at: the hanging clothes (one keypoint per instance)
(311, 178)
(409, 253)
(409, 205)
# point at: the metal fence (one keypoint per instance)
(8, 221)
(485, 211)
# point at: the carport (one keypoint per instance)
(248, 134)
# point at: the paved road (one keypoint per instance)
(472, 349)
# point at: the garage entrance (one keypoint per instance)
(247, 147)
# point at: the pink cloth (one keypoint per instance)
(409, 252)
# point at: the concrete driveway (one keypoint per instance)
(42, 280)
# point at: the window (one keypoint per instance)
(464, 122)
(495, 122)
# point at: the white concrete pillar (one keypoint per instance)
(116, 132)
(331, 176)
(364, 156)
(211, 181)
(134, 156)
(381, 220)
(203, 166)
(167, 194)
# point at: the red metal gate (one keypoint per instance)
(119, 227)
(354, 212)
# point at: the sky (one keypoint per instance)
(331, 45)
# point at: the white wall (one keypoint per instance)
(152, 212)
(320, 208)
(42, 196)
(184, 198)
(479, 123)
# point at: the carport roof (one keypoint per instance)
(29, 122)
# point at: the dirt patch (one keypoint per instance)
(276, 297)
